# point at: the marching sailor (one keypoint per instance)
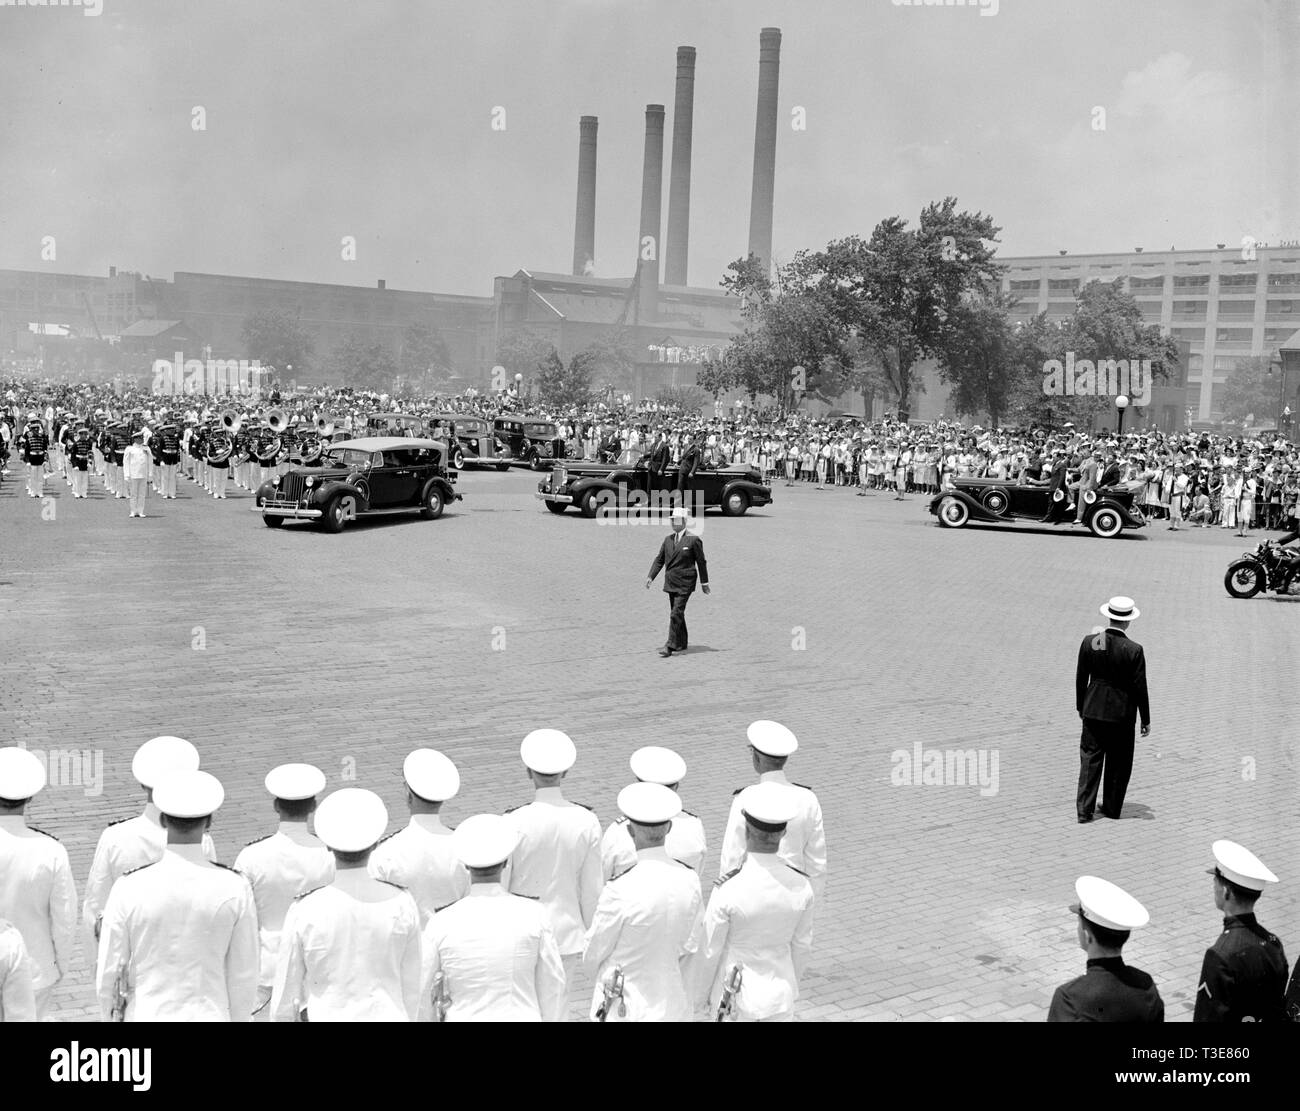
(283, 865)
(685, 840)
(17, 999)
(34, 446)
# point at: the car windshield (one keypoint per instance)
(539, 429)
(350, 458)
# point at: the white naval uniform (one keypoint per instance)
(498, 958)
(420, 858)
(557, 861)
(803, 846)
(347, 960)
(185, 929)
(761, 918)
(649, 922)
(280, 869)
(685, 842)
(17, 999)
(124, 846)
(38, 896)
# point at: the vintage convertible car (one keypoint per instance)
(605, 488)
(1107, 511)
(359, 478)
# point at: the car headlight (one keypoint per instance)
(310, 482)
(277, 483)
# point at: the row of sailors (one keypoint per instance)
(487, 921)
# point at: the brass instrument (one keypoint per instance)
(441, 1000)
(324, 426)
(277, 421)
(730, 989)
(612, 988)
(231, 421)
(220, 446)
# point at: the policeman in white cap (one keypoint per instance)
(804, 844)
(649, 920)
(283, 865)
(17, 999)
(129, 843)
(37, 893)
(350, 951)
(179, 938)
(685, 840)
(1110, 990)
(759, 922)
(1243, 975)
(558, 856)
(420, 856)
(491, 956)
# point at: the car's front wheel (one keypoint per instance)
(589, 503)
(735, 504)
(503, 467)
(1106, 523)
(433, 505)
(335, 514)
(953, 512)
(458, 459)
(557, 506)
(272, 520)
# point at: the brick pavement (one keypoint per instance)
(942, 903)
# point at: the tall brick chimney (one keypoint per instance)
(760, 200)
(652, 175)
(584, 222)
(679, 182)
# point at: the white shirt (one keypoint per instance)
(135, 462)
(761, 919)
(649, 922)
(17, 997)
(557, 860)
(803, 845)
(498, 959)
(347, 960)
(281, 867)
(185, 929)
(420, 858)
(685, 842)
(38, 896)
(122, 847)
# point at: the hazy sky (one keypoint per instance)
(372, 118)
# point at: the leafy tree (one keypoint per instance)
(276, 338)
(612, 359)
(1250, 393)
(982, 357)
(524, 352)
(562, 385)
(362, 366)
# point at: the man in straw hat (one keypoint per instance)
(1110, 689)
(681, 556)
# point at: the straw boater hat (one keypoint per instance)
(1120, 608)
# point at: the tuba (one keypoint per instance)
(277, 421)
(324, 426)
(220, 445)
(231, 421)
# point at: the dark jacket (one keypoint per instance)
(1110, 991)
(690, 462)
(1110, 681)
(679, 562)
(657, 460)
(1243, 975)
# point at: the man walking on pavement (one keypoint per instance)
(680, 555)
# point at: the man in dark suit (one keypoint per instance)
(657, 461)
(690, 463)
(1110, 990)
(680, 555)
(1058, 492)
(1110, 692)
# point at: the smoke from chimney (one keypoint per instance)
(761, 198)
(652, 175)
(679, 183)
(584, 221)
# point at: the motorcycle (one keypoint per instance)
(1268, 567)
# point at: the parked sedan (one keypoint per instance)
(1107, 512)
(470, 441)
(601, 489)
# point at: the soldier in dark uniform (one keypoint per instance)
(1110, 688)
(119, 441)
(34, 446)
(168, 446)
(1243, 976)
(79, 460)
(1110, 991)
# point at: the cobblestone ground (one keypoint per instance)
(856, 621)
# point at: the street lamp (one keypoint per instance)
(1121, 403)
(519, 385)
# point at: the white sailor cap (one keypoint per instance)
(768, 805)
(548, 751)
(1105, 904)
(1238, 864)
(292, 782)
(431, 775)
(188, 794)
(351, 819)
(653, 764)
(22, 774)
(158, 757)
(649, 804)
(771, 738)
(484, 840)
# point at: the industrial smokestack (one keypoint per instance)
(584, 222)
(760, 199)
(652, 178)
(679, 180)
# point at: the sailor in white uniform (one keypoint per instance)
(685, 840)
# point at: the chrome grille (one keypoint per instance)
(291, 487)
(558, 478)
